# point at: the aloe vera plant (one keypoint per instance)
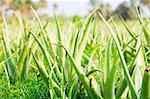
(85, 58)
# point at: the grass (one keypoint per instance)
(87, 58)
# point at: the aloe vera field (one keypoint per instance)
(74, 58)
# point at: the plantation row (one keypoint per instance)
(75, 58)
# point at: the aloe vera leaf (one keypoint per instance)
(44, 51)
(10, 63)
(59, 40)
(51, 84)
(82, 39)
(23, 55)
(42, 69)
(123, 85)
(124, 66)
(108, 67)
(129, 31)
(145, 89)
(82, 77)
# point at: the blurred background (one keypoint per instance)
(71, 8)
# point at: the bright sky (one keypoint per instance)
(74, 7)
(81, 0)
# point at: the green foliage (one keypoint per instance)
(77, 58)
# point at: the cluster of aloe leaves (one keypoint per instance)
(89, 58)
